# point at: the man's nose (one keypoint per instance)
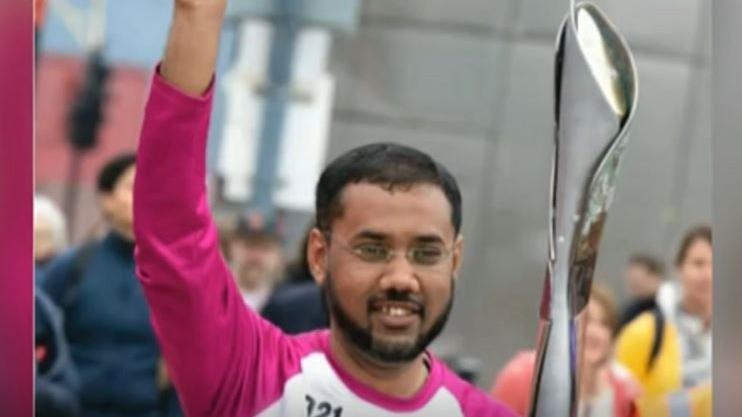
(400, 275)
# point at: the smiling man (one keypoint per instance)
(386, 252)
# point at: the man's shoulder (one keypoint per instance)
(473, 401)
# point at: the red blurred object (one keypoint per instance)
(39, 11)
(513, 386)
(41, 352)
(58, 83)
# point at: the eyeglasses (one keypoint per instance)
(422, 255)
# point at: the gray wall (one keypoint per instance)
(471, 82)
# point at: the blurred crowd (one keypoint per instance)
(650, 358)
(97, 354)
(96, 350)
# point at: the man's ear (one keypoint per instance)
(317, 247)
(458, 255)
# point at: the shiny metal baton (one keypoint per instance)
(595, 99)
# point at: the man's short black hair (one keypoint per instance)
(651, 263)
(113, 170)
(388, 165)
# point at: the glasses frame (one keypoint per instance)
(392, 254)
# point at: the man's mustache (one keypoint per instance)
(411, 301)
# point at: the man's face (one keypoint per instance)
(256, 262)
(696, 273)
(641, 283)
(117, 204)
(389, 309)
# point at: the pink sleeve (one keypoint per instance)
(224, 359)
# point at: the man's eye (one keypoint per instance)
(372, 252)
(427, 255)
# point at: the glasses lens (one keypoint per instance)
(372, 252)
(427, 255)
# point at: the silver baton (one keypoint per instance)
(596, 90)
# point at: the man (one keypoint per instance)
(386, 251)
(297, 306)
(644, 275)
(256, 257)
(106, 319)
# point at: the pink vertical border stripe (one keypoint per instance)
(16, 208)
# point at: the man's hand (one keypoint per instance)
(190, 54)
(202, 4)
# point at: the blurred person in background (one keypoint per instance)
(644, 274)
(607, 389)
(669, 349)
(691, 402)
(256, 258)
(50, 232)
(297, 271)
(297, 305)
(106, 319)
(56, 380)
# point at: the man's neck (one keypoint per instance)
(397, 380)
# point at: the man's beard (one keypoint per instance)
(362, 338)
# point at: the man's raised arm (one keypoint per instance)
(223, 359)
(190, 54)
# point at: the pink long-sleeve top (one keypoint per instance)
(224, 359)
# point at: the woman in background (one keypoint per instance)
(606, 388)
